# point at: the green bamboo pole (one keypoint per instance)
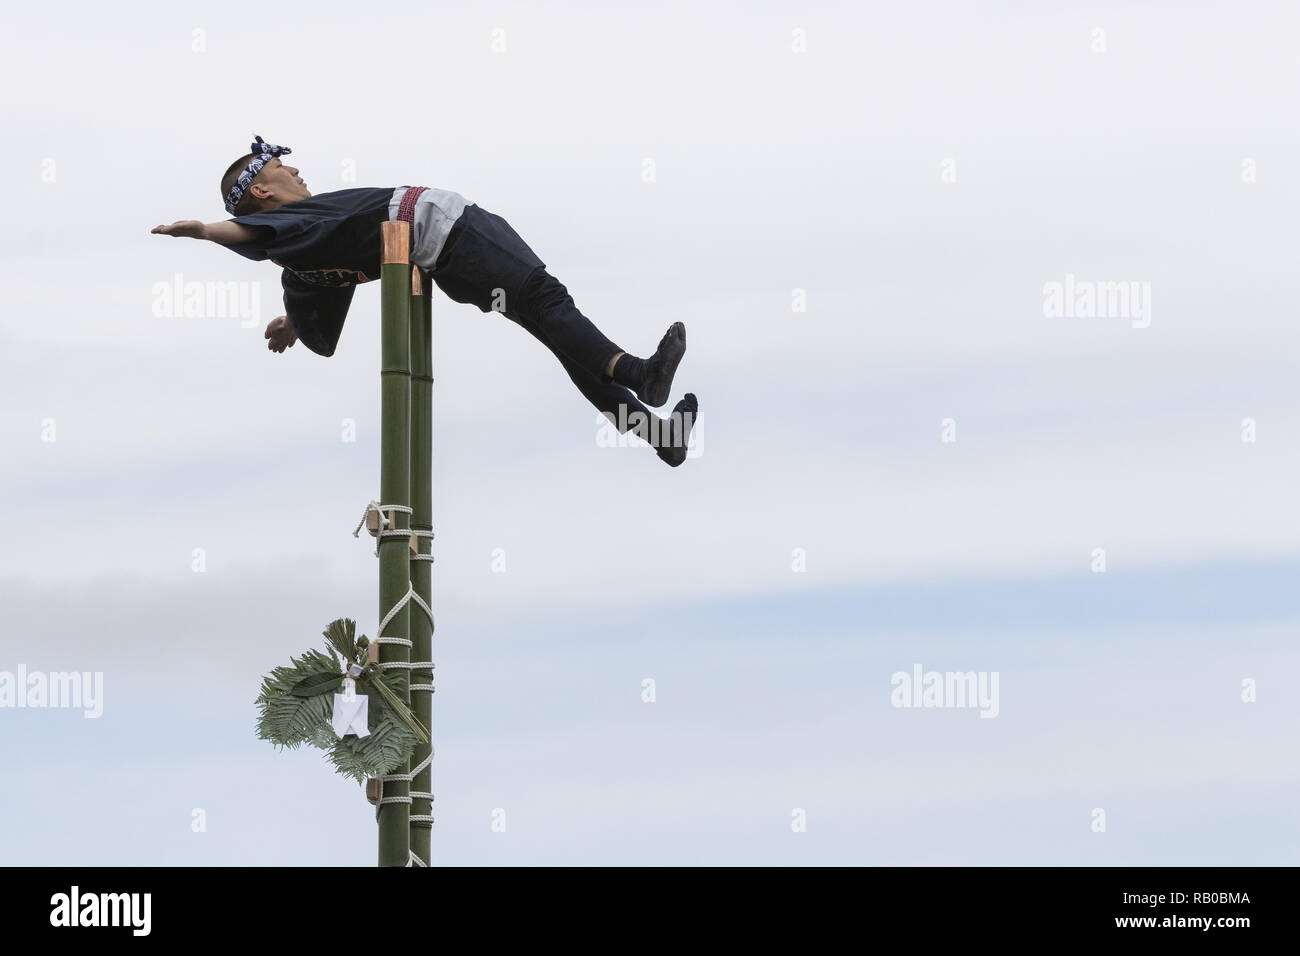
(395, 489)
(422, 520)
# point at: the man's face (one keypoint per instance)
(278, 184)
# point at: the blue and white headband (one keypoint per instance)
(262, 154)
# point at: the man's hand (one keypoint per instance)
(280, 334)
(186, 228)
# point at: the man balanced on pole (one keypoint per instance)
(328, 243)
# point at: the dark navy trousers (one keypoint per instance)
(485, 263)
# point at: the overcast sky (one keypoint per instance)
(856, 210)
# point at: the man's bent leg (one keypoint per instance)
(615, 401)
(668, 436)
(548, 311)
(547, 304)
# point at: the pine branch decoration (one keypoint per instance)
(296, 706)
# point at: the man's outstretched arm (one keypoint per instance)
(224, 233)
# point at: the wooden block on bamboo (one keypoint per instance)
(374, 789)
(417, 281)
(372, 521)
(372, 652)
(395, 242)
(415, 543)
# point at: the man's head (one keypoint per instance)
(274, 185)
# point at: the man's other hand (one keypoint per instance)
(279, 334)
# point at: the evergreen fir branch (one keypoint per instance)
(389, 746)
(287, 720)
(341, 636)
